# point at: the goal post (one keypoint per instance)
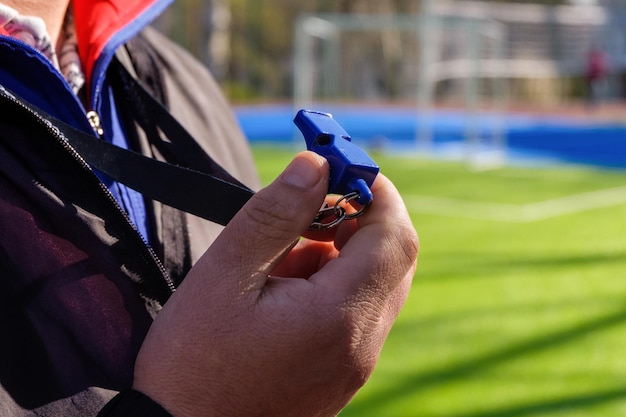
(417, 61)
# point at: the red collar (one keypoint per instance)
(99, 22)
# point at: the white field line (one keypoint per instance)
(514, 213)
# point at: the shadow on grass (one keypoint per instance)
(420, 382)
(498, 262)
(558, 405)
(551, 261)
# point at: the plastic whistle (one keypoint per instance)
(351, 168)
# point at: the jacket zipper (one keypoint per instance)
(54, 131)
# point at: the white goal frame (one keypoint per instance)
(317, 52)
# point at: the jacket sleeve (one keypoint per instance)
(131, 403)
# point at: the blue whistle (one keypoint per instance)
(351, 169)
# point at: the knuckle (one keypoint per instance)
(406, 241)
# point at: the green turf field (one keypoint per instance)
(518, 307)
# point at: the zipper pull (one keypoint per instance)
(95, 122)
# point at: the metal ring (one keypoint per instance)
(347, 199)
(340, 215)
(338, 211)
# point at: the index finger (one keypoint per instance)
(380, 253)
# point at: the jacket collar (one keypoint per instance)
(103, 25)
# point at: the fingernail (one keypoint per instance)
(301, 173)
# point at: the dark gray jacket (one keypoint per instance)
(79, 285)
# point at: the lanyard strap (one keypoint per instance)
(190, 181)
(194, 183)
(173, 141)
(192, 191)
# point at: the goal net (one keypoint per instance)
(473, 57)
(413, 65)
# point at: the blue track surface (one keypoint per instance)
(553, 138)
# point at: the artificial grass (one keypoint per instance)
(507, 316)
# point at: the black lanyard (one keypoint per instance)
(195, 183)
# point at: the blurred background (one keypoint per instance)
(542, 47)
(493, 70)
(503, 125)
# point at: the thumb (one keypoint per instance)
(263, 231)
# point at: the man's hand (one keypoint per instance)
(268, 324)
